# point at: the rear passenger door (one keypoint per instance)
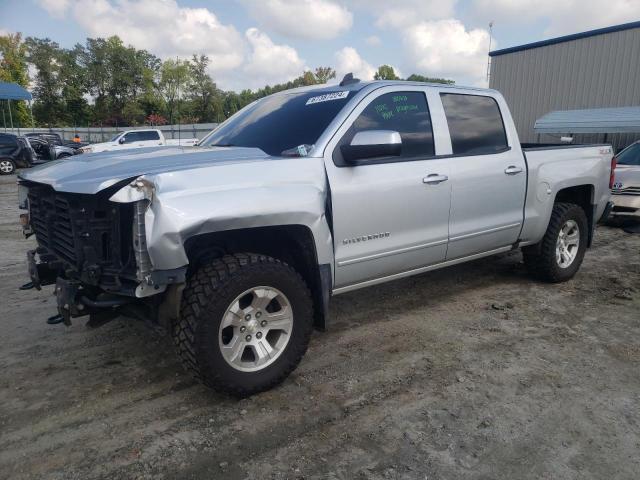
(488, 176)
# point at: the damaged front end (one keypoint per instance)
(93, 247)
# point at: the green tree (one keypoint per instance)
(202, 90)
(174, 75)
(73, 88)
(385, 72)
(44, 55)
(94, 62)
(421, 78)
(13, 69)
(324, 74)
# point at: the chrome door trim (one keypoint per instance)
(408, 273)
(484, 232)
(390, 252)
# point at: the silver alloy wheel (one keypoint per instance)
(6, 166)
(255, 329)
(567, 244)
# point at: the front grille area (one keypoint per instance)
(51, 221)
(89, 234)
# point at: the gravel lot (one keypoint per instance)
(475, 371)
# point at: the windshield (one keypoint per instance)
(284, 124)
(630, 155)
(115, 137)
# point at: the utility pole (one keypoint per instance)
(488, 52)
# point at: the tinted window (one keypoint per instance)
(630, 155)
(280, 122)
(132, 137)
(404, 112)
(8, 140)
(148, 135)
(475, 124)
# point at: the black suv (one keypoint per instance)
(17, 152)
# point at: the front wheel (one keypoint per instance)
(559, 254)
(245, 323)
(7, 166)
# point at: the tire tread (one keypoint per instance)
(211, 281)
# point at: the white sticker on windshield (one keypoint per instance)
(327, 97)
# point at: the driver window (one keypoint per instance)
(131, 137)
(404, 112)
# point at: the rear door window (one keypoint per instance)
(475, 124)
(404, 112)
(149, 135)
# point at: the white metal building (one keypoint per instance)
(590, 70)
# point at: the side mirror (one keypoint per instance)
(121, 140)
(372, 144)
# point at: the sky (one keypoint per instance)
(252, 43)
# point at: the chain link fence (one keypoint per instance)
(104, 134)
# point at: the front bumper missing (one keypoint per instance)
(40, 273)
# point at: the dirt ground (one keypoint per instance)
(475, 371)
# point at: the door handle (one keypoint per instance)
(434, 179)
(512, 170)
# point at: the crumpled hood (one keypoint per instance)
(93, 172)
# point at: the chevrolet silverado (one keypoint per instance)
(237, 245)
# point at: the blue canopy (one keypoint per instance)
(13, 91)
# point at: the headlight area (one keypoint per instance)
(140, 194)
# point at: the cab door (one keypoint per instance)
(488, 175)
(390, 214)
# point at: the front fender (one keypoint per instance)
(188, 203)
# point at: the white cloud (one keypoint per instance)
(308, 19)
(162, 27)
(447, 48)
(373, 41)
(562, 17)
(401, 13)
(268, 62)
(168, 30)
(56, 8)
(348, 60)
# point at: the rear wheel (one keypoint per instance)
(245, 323)
(7, 166)
(559, 254)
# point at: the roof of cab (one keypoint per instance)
(356, 86)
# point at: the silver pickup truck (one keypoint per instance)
(237, 245)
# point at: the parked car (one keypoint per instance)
(137, 139)
(237, 245)
(55, 139)
(626, 187)
(15, 152)
(48, 151)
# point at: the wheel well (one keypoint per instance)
(293, 244)
(581, 195)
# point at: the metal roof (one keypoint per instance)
(566, 38)
(593, 120)
(13, 91)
